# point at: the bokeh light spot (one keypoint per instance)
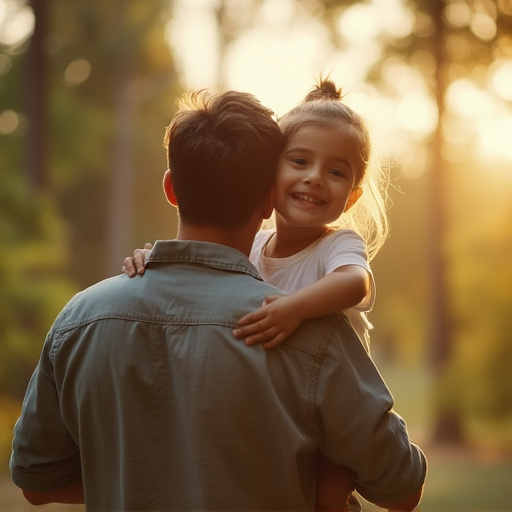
(502, 78)
(466, 100)
(495, 136)
(9, 121)
(457, 14)
(359, 22)
(77, 72)
(17, 25)
(505, 6)
(417, 114)
(483, 26)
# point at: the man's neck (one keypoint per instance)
(240, 239)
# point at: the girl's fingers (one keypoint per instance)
(128, 267)
(254, 318)
(251, 330)
(261, 337)
(274, 342)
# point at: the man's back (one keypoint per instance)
(197, 420)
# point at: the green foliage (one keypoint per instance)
(44, 258)
(53, 241)
(107, 132)
(33, 248)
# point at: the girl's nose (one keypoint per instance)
(313, 177)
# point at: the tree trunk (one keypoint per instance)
(37, 100)
(120, 200)
(448, 425)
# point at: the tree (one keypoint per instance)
(54, 204)
(470, 24)
(32, 236)
(37, 99)
(110, 121)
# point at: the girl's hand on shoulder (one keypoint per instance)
(271, 324)
(136, 264)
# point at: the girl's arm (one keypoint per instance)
(280, 316)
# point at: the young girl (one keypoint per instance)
(325, 182)
(330, 220)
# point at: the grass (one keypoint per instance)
(463, 484)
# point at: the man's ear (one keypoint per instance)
(169, 189)
(355, 194)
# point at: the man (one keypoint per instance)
(143, 399)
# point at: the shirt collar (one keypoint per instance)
(202, 253)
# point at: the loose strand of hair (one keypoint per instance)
(368, 217)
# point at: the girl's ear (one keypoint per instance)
(169, 189)
(355, 194)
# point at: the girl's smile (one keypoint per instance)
(308, 200)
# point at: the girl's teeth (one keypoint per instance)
(307, 199)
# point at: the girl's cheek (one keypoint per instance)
(281, 169)
(281, 178)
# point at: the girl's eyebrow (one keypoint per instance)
(297, 148)
(343, 161)
(337, 159)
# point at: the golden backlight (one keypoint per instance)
(283, 51)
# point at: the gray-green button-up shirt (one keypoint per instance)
(142, 388)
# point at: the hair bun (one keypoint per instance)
(324, 90)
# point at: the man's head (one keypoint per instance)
(222, 150)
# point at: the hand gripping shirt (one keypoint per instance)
(323, 256)
(143, 390)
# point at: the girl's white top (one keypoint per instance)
(323, 256)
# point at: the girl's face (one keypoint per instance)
(316, 176)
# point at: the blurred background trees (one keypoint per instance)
(86, 91)
(85, 98)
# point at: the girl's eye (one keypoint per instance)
(299, 161)
(338, 173)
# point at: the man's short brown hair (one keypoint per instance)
(222, 150)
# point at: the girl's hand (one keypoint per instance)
(136, 264)
(271, 324)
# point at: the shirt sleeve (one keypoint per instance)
(346, 247)
(358, 426)
(260, 240)
(44, 456)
